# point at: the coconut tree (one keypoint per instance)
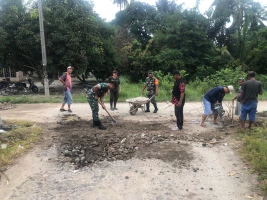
(121, 3)
(244, 16)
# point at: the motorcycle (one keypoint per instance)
(19, 88)
(4, 83)
(32, 86)
(15, 88)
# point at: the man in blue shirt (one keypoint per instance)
(211, 99)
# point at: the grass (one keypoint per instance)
(255, 151)
(18, 140)
(129, 90)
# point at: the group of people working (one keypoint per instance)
(246, 97)
(95, 95)
(247, 100)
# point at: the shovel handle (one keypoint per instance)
(151, 98)
(107, 112)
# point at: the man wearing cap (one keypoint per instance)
(249, 99)
(211, 99)
(178, 98)
(152, 85)
(238, 97)
(67, 83)
(114, 93)
(98, 91)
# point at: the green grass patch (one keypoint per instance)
(255, 151)
(17, 140)
(194, 92)
(128, 91)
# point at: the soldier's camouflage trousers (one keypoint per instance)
(149, 94)
(94, 106)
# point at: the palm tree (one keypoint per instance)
(245, 16)
(121, 3)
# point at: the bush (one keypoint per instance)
(263, 79)
(223, 77)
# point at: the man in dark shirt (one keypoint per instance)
(212, 98)
(249, 98)
(178, 98)
(114, 93)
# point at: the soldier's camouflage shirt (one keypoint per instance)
(102, 89)
(151, 84)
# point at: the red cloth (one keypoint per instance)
(182, 87)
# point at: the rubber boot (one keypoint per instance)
(111, 107)
(115, 103)
(147, 108)
(101, 127)
(95, 123)
(156, 108)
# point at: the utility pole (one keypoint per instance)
(44, 60)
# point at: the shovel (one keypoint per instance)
(114, 121)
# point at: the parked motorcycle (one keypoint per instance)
(32, 86)
(4, 83)
(15, 88)
(19, 88)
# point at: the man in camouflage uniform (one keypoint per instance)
(152, 85)
(98, 91)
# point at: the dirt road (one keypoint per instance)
(142, 157)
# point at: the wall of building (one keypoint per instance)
(14, 76)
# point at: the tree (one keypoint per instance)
(256, 59)
(121, 3)
(247, 16)
(183, 44)
(138, 19)
(74, 35)
(12, 15)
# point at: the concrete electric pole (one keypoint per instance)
(44, 60)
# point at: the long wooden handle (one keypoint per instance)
(107, 111)
(151, 98)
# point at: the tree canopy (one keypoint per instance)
(232, 33)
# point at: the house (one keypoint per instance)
(12, 74)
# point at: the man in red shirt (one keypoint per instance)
(67, 83)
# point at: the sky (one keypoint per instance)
(107, 10)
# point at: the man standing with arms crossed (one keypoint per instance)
(249, 98)
(67, 83)
(178, 98)
(152, 85)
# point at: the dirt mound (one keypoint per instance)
(83, 145)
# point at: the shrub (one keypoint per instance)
(223, 77)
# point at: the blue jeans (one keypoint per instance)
(67, 97)
(249, 109)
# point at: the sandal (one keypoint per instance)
(62, 109)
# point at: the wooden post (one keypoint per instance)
(233, 111)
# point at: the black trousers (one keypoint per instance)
(179, 113)
(114, 96)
